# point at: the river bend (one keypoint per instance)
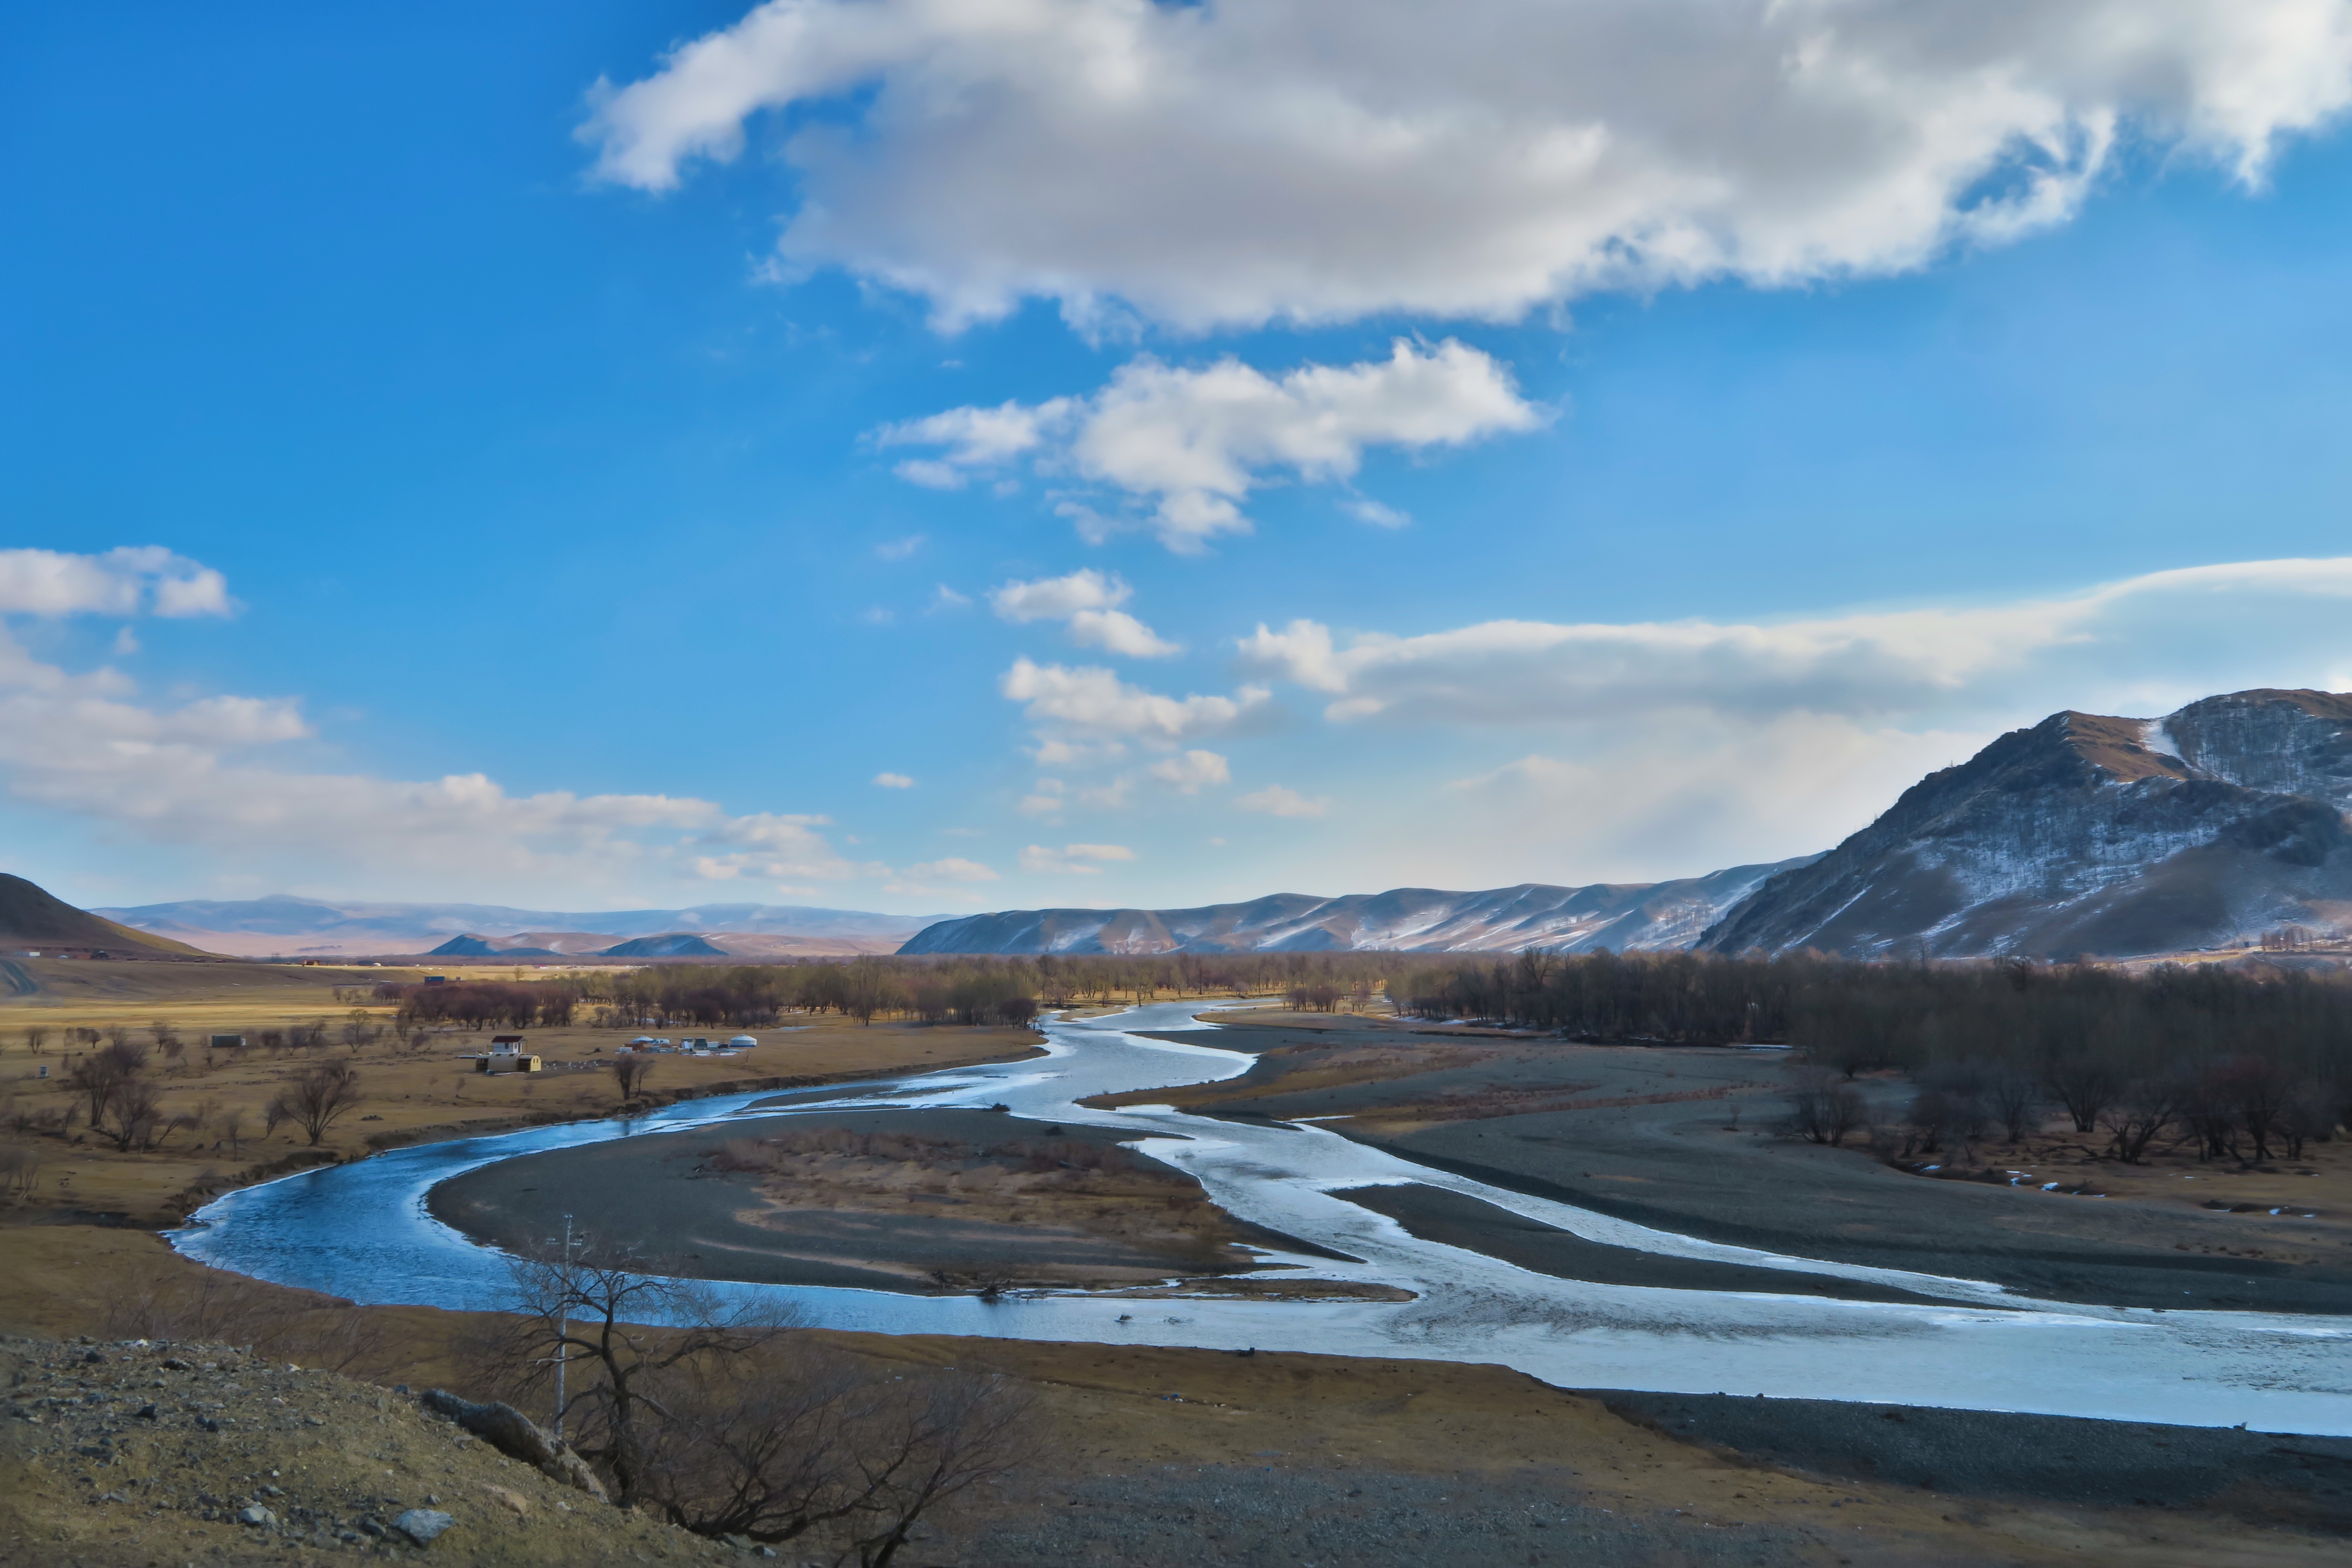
(363, 1231)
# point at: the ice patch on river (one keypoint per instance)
(361, 1231)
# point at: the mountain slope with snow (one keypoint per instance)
(1618, 915)
(2090, 834)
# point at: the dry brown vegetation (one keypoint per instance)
(139, 1119)
(1040, 1183)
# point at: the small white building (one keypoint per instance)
(507, 1055)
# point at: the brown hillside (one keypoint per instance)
(31, 917)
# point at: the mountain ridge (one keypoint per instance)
(1625, 915)
(2090, 834)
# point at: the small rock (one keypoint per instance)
(147, 1413)
(255, 1514)
(422, 1524)
(174, 1364)
(114, 1497)
(513, 1501)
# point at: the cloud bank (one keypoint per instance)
(1320, 160)
(213, 772)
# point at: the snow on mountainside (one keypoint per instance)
(1615, 915)
(2092, 835)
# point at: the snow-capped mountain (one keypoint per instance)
(2092, 835)
(1618, 915)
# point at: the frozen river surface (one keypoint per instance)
(361, 1231)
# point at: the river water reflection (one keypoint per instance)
(361, 1231)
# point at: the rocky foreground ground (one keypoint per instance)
(149, 1452)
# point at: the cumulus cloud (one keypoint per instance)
(1090, 704)
(134, 579)
(1084, 602)
(898, 549)
(1318, 160)
(1193, 772)
(894, 781)
(1179, 450)
(1275, 801)
(1072, 859)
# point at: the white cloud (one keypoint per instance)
(894, 781)
(1089, 703)
(1315, 160)
(1083, 602)
(1059, 598)
(138, 579)
(945, 599)
(1074, 860)
(211, 774)
(2165, 637)
(898, 549)
(1275, 801)
(1193, 772)
(1191, 444)
(1116, 631)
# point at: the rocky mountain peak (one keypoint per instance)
(2092, 833)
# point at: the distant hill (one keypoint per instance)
(30, 916)
(475, 947)
(1618, 915)
(286, 925)
(2090, 834)
(671, 944)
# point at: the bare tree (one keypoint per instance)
(2085, 1086)
(97, 1075)
(2140, 1112)
(20, 1171)
(37, 1040)
(1821, 1110)
(132, 1115)
(2015, 1099)
(728, 1427)
(630, 1070)
(591, 1311)
(316, 1100)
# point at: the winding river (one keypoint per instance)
(361, 1231)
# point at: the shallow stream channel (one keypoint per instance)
(363, 1231)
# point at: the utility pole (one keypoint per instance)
(563, 1321)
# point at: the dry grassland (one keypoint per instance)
(410, 1095)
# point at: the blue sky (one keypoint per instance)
(552, 439)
